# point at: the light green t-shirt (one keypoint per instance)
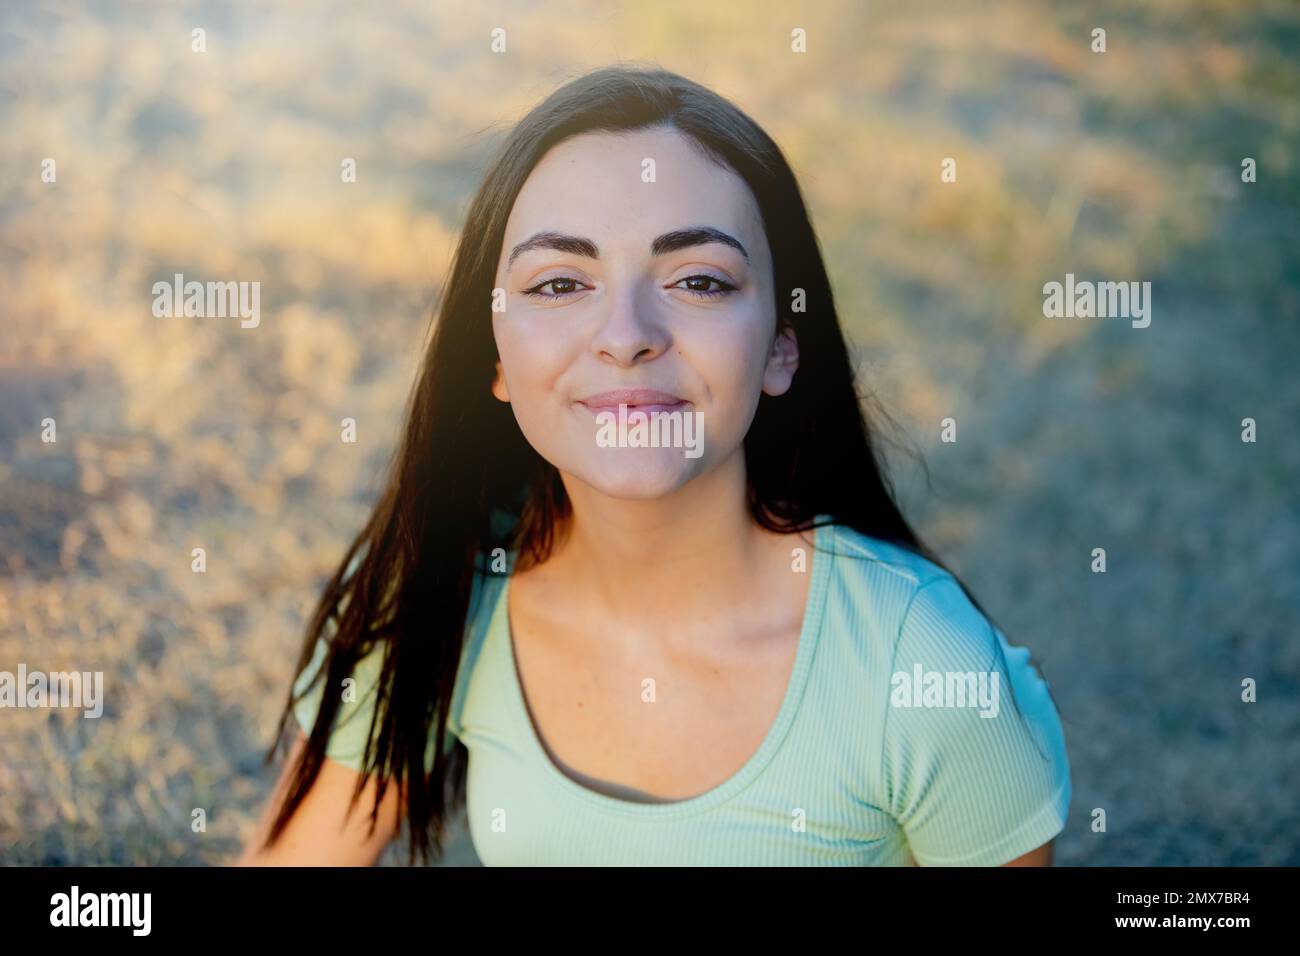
(897, 733)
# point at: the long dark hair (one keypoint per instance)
(462, 457)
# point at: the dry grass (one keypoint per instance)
(175, 434)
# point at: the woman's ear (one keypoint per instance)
(782, 362)
(499, 385)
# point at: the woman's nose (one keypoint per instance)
(630, 331)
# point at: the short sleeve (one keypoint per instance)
(347, 742)
(974, 757)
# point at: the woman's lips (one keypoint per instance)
(639, 400)
(647, 409)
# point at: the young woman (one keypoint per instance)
(726, 647)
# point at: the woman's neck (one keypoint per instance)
(697, 554)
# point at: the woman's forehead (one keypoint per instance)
(631, 187)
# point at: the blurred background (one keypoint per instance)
(1072, 434)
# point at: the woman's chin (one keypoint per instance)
(638, 473)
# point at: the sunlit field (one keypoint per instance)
(1072, 434)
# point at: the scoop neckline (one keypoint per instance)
(810, 630)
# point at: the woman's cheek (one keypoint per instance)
(523, 351)
(531, 365)
(734, 373)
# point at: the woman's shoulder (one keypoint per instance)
(894, 602)
(870, 555)
(488, 577)
(970, 750)
(876, 580)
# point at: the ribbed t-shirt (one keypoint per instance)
(910, 731)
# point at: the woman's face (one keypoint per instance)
(640, 284)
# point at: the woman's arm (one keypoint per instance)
(1039, 857)
(324, 830)
(1042, 856)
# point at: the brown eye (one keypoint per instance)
(562, 285)
(699, 286)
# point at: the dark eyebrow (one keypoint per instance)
(695, 236)
(555, 240)
(668, 242)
